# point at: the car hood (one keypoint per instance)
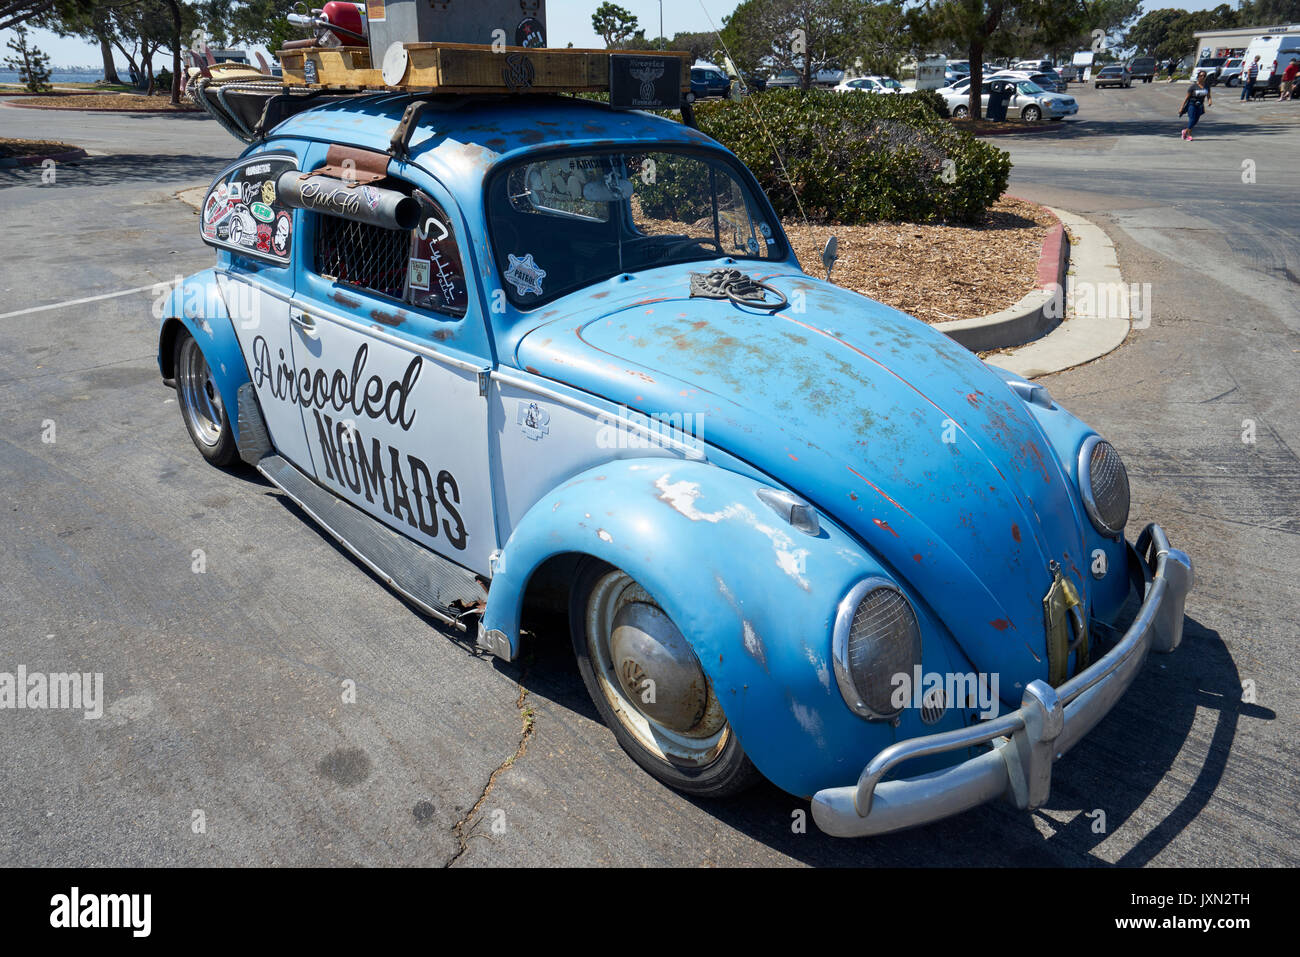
(886, 425)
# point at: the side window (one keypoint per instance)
(435, 274)
(421, 267)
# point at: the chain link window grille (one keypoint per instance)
(362, 255)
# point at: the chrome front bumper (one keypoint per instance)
(1026, 742)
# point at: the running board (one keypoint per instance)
(427, 580)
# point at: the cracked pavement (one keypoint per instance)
(225, 689)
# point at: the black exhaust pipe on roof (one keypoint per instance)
(361, 203)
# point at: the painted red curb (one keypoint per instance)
(1051, 260)
(11, 162)
(1054, 256)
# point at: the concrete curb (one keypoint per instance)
(193, 196)
(1096, 303)
(1033, 316)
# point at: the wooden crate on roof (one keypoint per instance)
(466, 68)
(347, 68)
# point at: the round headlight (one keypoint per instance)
(1103, 483)
(876, 637)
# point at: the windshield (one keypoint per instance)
(565, 221)
(1029, 88)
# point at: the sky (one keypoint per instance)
(567, 20)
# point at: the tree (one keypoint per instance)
(884, 38)
(14, 12)
(701, 46)
(1167, 34)
(89, 19)
(1266, 13)
(32, 65)
(993, 28)
(615, 24)
(793, 34)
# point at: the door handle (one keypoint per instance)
(303, 321)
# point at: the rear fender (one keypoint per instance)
(196, 305)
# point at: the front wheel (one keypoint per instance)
(202, 409)
(960, 112)
(648, 685)
(1031, 114)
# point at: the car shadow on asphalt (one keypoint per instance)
(122, 169)
(1114, 770)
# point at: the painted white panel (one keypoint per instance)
(540, 440)
(399, 434)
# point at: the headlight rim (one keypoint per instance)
(1085, 488)
(844, 614)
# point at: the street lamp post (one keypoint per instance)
(661, 19)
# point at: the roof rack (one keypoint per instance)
(641, 79)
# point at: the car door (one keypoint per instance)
(255, 235)
(390, 328)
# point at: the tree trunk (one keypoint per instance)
(110, 68)
(976, 54)
(176, 51)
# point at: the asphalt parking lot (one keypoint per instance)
(226, 624)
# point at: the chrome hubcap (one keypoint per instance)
(650, 675)
(200, 399)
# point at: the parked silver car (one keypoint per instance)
(1114, 74)
(1029, 101)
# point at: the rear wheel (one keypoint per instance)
(1031, 114)
(648, 685)
(202, 409)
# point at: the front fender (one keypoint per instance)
(197, 306)
(754, 596)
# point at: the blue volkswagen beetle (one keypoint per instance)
(511, 349)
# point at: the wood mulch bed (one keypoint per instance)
(107, 102)
(936, 273)
(12, 147)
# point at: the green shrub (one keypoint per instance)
(933, 100)
(859, 158)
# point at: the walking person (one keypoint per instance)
(1248, 80)
(1287, 89)
(1196, 102)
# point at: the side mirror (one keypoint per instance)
(829, 255)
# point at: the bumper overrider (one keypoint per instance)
(1024, 743)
